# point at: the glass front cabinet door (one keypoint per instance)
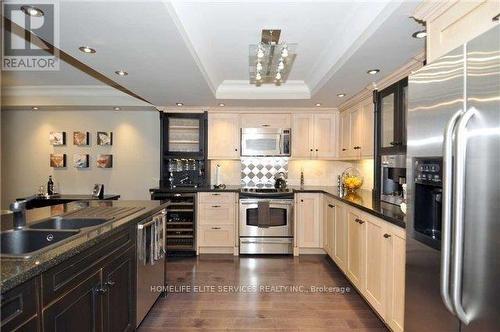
(392, 118)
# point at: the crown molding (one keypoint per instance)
(242, 89)
(247, 110)
(413, 64)
(429, 10)
(71, 95)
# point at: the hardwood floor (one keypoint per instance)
(259, 309)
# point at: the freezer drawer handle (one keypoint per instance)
(458, 197)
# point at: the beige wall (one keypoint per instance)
(26, 150)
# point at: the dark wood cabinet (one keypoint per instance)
(19, 308)
(119, 279)
(391, 118)
(78, 310)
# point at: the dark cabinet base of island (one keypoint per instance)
(91, 291)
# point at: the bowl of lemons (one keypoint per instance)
(352, 179)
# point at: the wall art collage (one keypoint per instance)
(81, 139)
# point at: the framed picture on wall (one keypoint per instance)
(81, 160)
(57, 138)
(105, 161)
(104, 138)
(81, 138)
(58, 160)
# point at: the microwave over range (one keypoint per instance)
(262, 142)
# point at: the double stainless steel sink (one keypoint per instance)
(43, 235)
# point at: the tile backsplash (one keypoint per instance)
(260, 171)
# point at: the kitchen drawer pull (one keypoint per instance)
(215, 194)
(216, 206)
(101, 290)
(344, 149)
(265, 125)
(215, 227)
(357, 148)
(110, 283)
(387, 235)
(359, 221)
(331, 205)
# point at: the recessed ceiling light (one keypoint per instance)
(35, 108)
(222, 104)
(318, 104)
(86, 49)
(32, 11)
(420, 34)
(340, 95)
(179, 104)
(117, 108)
(373, 71)
(121, 73)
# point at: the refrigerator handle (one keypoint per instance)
(458, 209)
(446, 212)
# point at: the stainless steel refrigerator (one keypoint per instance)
(453, 169)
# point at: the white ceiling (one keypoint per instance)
(196, 51)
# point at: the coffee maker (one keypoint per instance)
(393, 176)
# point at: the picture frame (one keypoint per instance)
(81, 138)
(57, 160)
(104, 161)
(104, 138)
(57, 138)
(81, 160)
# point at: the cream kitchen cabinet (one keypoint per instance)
(216, 222)
(308, 216)
(314, 136)
(223, 136)
(452, 23)
(339, 254)
(356, 239)
(329, 217)
(259, 120)
(356, 131)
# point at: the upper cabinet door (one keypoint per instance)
(356, 124)
(392, 118)
(258, 120)
(345, 134)
(183, 135)
(325, 135)
(387, 119)
(302, 136)
(367, 131)
(223, 136)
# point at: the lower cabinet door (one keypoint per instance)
(340, 237)
(78, 310)
(216, 236)
(119, 297)
(375, 265)
(356, 244)
(309, 220)
(396, 256)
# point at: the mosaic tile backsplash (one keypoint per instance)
(260, 171)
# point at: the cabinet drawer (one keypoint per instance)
(216, 214)
(19, 305)
(216, 197)
(216, 236)
(61, 278)
(266, 121)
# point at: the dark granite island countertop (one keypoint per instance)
(363, 200)
(15, 271)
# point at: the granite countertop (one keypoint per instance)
(75, 197)
(17, 271)
(363, 200)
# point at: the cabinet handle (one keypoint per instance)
(265, 125)
(235, 149)
(316, 150)
(359, 221)
(331, 205)
(101, 290)
(311, 150)
(357, 148)
(302, 200)
(215, 194)
(215, 227)
(395, 143)
(344, 149)
(216, 206)
(387, 235)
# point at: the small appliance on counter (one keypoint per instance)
(98, 191)
(280, 181)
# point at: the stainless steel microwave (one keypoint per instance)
(265, 142)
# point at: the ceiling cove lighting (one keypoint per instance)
(341, 95)
(32, 11)
(87, 49)
(179, 104)
(270, 61)
(373, 71)
(420, 34)
(121, 73)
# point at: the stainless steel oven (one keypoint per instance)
(265, 142)
(266, 225)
